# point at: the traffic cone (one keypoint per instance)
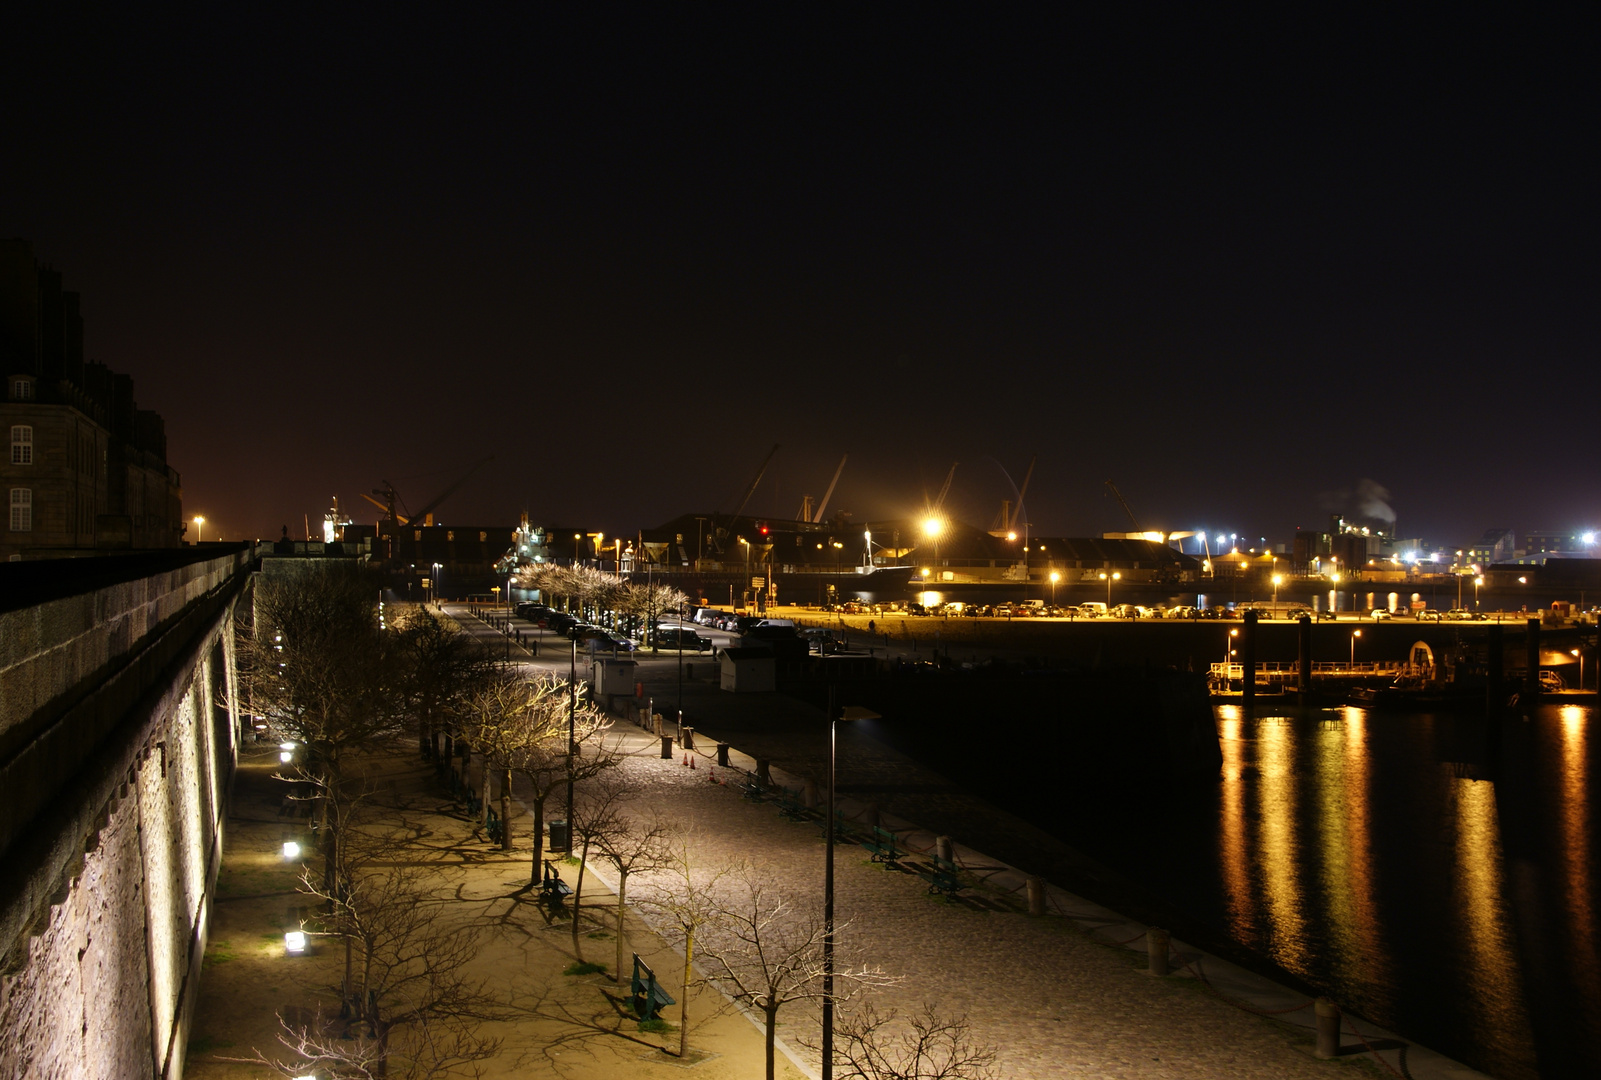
(686, 757)
(713, 775)
(692, 760)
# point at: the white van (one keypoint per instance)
(1092, 609)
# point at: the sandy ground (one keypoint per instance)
(569, 1026)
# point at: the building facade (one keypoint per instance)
(85, 469)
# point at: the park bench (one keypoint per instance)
(791, 807)
(649, 998)
(753, 791)
(553, 889)
(881, 842)
(940, 873)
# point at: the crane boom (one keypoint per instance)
(945, 488)
(443, 495)
(1132, 519)
(1022, 493)
(761, 470)
(822, 506)
(388, 509)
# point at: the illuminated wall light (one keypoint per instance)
(291, 849)
(295, 942)
(286, 756)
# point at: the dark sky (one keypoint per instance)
(1250, 266)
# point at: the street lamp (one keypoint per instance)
(438, 601)
(199, 527)
(1055, 577)
(1116, 576)
(1476, 583)
(1278, 579)
(1580, 654)
(835, 714)
(1354, 635)
(746, 544)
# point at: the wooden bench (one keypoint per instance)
(754, 791)
(941, 875)
(791, 807)
(553, 890)
(648, 996)
(881, 842)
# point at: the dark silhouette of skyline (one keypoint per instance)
(1248, 265)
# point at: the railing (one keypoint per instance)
(1281, 671)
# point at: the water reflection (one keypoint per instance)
(1578, 847)
(1482, 918)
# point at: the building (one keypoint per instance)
(85, 469)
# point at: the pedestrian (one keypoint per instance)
(871, 629)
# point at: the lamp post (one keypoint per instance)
(438, 601)
(1278, 579)
(1055, 577)
(746, 583)
(1580, 654)
(1476, 583)
(838, 567)
(1354, 635)
(1115, 576)
(200, 523)
(572, 744)
(835, 714)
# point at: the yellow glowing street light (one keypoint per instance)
(1580, 654)
(933, 526)
(199, 527)
(1354, 635)
(1278, 579)
(1116, 576)
(1055, 577)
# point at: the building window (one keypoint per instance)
(21, 444)
(22, 389)
(21, 509)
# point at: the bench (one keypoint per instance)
(753, 791)
(553, 889)
(940, 873)
(881, 842)
(649, 998)
(791, 807)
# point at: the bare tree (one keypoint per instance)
(409, 1009)
(768, 955)
(442, 666)
(869, 1045)
(535, 726)
(630, 846)
(685, 897)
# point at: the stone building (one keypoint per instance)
(84, 468)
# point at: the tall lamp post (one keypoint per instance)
(1055, 577)
(572, 743)
(835, 714)
(1354, 635)
(1115, 576)
(1476, 583)
(1278, 579)
(438, 602)
(200, 523)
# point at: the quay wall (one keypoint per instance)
(119, 731)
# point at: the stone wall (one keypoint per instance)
(106, 898)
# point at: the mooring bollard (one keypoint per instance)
(667, 747)
(810, 795)
(1157, 941)
(764, 772)
(944, 849)
(689, 738)
(722, 754)
(1328, 1028)
(1036, 896)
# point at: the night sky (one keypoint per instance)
(1254, 267)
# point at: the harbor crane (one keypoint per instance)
(720, 532)
(1006, 522)
(392, 497)
(806, 513)
(1124, 502)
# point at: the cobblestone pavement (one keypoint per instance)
(1062, 995)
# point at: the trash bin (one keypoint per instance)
(558, 836)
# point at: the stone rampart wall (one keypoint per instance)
(106, 897)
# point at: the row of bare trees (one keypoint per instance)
(592, 591)
(327, 675)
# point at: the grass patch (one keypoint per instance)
(584, 967)
(598, 935)
(656, 1027)
(220, 952)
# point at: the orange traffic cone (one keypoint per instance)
(713, 775)
(692, 761)
(686, 757)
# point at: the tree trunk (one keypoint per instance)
(771, 1012)
(683, 1007)
(622, 898)
(483, 795)
(505, 813)
(539, 835)
(578, 896)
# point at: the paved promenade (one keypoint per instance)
(1064, 995)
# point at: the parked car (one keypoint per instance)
(672, 637)
(1183, 611)
(1461, 615)
(1379, 614)
(1293, 614)
(1428, 615)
